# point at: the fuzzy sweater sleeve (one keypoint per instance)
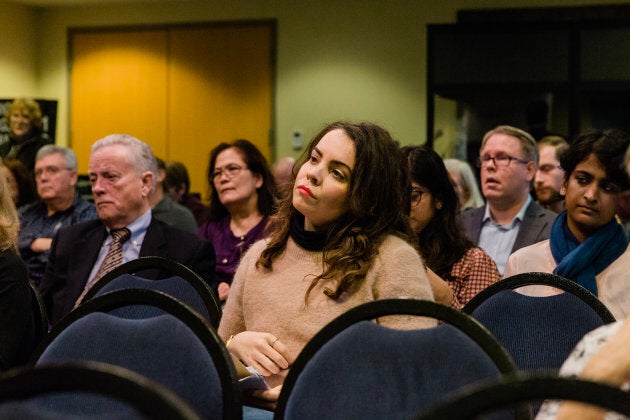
(398, 273)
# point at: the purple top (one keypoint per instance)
(229, 248)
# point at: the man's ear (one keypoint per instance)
(74, 178)
(161, 175)
(147, 183)
(531, 170)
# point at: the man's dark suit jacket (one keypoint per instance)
(75, 250)
(535, 226)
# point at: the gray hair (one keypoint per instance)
(141, 153)
(467, 180)
(68, 155)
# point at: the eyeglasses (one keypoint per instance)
(51, 170)
(230, 171)
(500, 161)
(416, 195)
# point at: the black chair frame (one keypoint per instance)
(170, 266)
(548, 279)
(519, 389)
(143, 394)
(371, 310)
(232, 399)
(40, 317)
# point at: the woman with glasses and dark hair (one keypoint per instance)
(466, 268)
(242, 197)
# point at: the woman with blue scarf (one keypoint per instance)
(587, 245)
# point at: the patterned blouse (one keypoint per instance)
(472, 273)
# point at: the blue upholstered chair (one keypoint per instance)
(175, 287)
(487, 398)
(354, 368)
(140, 272)
(176, 348)
(86, 390)
(539, 332)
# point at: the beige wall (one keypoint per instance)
(351, 59)
(18, 51)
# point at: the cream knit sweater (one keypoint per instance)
(273, 301)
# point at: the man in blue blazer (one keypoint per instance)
(122, 171)
(510, 219)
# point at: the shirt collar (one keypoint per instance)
(519, 216)
(139, 226)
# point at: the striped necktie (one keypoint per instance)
(113, 258)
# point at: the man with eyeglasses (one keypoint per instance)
(59, 206)
(511, 219)
(550, 175)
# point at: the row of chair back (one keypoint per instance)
(357, 369)
(352, 367)
(162, 330)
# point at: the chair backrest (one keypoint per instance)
(488, 398)
(178, 349)
(39, 314)
(359, 369)
(538, 331)
(174, 286)
(87, 389)
(547, 279)
(152, 268)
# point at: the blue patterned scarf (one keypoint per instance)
(581, 262)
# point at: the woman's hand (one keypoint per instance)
(224, 291)
(271, 394)
(262, 351)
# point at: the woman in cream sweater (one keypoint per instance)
(342, 238)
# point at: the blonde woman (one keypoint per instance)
(17, 324)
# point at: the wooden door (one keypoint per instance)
(118, 85)
(183, 90)
(220, 89)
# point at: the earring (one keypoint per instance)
(439, 206)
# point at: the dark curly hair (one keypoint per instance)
(609, 146)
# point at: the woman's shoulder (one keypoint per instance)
(394, 242)
(9, 255)
(10, 262)
(392, 245)
(209, 229)
(476, 255)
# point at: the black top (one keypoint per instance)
(17, 329)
